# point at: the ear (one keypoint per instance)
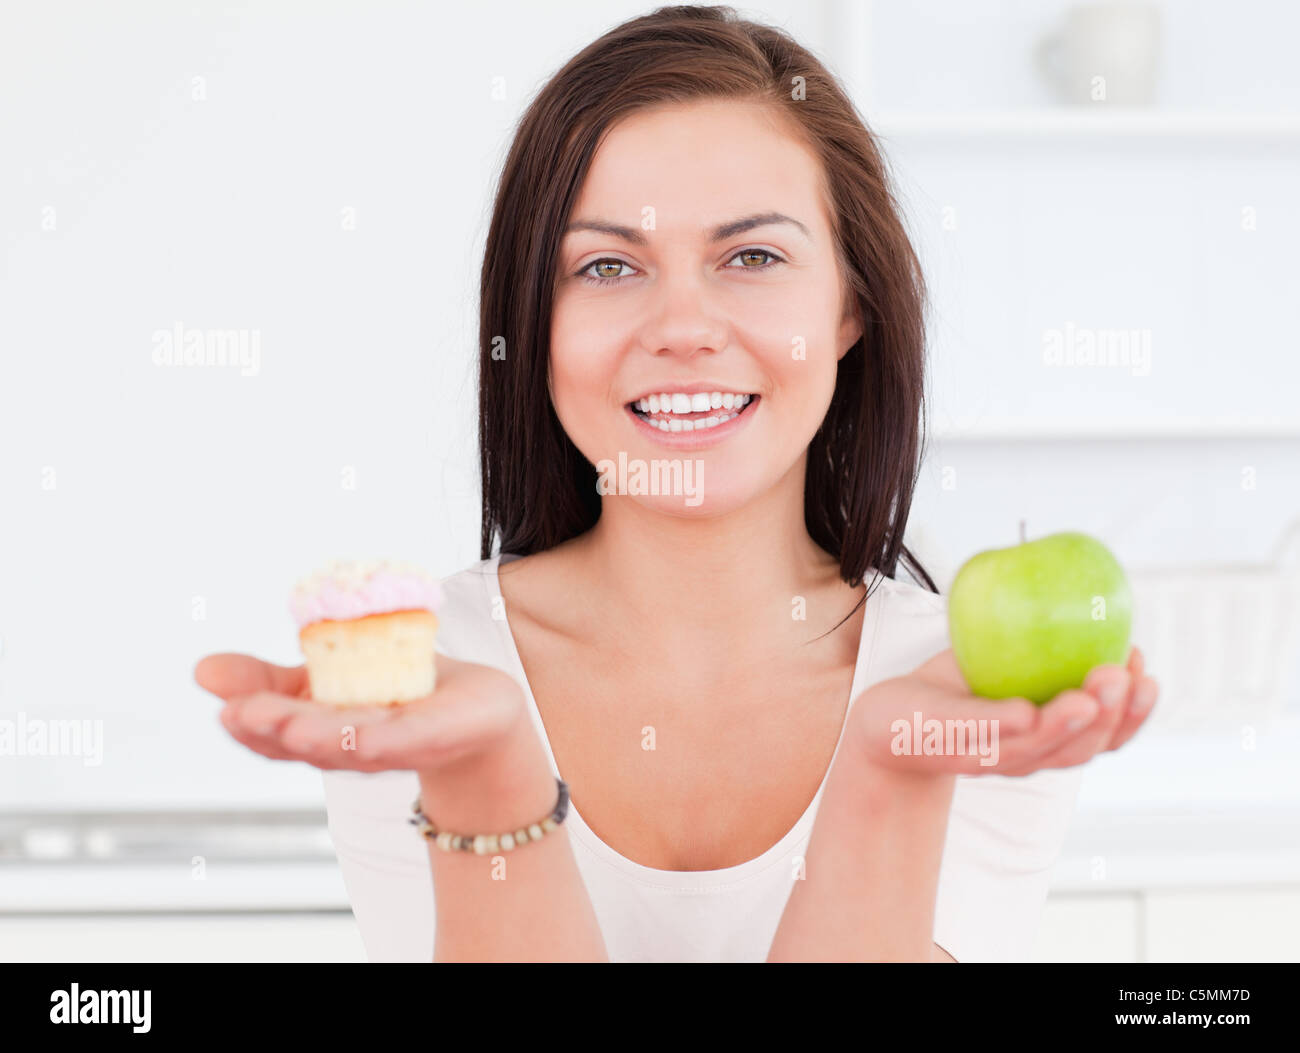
(851, 327)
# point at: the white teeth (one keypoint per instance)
(691, 425)
(701, 402)
(680, 402)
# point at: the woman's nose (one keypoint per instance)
(683, 317)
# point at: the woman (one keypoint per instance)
(695, 276)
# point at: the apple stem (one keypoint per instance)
(1022, 531)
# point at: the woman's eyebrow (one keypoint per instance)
(725, 230)
(760, 219)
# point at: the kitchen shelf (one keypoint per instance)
(1031, 431)
(1071, 122)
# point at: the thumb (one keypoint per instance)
(230, 676)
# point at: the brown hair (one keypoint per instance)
(538, 489)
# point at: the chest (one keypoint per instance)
(689, 771)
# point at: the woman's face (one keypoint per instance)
(699, 260)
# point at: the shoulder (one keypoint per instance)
(911, 606)
(466, 588)
(910, 626)
(471, 616)
(908, 595)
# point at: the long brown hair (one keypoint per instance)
(538, 489)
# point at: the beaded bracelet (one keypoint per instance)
(481, 844)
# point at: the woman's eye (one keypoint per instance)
(754, 259)
(610, 271)
(601, 271)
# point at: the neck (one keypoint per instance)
(700, 581)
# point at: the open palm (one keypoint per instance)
(269, 709)
(1073, 727)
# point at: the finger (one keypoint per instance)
(1062, 720)
(233, 675)
(1078, 740)
(1136, 664)
(1143, 702)
(270, 747)
(265, 745)
(1077, 743)
(260, 720)
(338, 736)
(472, 705)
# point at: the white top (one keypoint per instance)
(1004, 833)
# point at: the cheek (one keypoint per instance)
(795, 336)
(584, 362)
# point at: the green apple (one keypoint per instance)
(1032, 620)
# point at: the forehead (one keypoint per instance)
(697, 162)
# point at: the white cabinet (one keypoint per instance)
(1237, 925)
(1243, 924)
(1089, 929)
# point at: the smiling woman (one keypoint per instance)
(694, 247)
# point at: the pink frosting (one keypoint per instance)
(348, 589)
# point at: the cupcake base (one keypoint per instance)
(379, 660)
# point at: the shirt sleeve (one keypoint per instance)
(384, 861)
(1004, 836)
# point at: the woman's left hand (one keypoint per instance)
(1019, 736)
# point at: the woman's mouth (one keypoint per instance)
(702, 411)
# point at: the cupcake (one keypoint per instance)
(367, 630)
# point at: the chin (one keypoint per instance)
(683, 483)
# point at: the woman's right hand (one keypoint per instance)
(1103, 714)
(475, 712)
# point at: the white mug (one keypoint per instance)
(1106, 51)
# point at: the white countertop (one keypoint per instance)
(129, 887)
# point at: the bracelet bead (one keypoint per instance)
(484, 844)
